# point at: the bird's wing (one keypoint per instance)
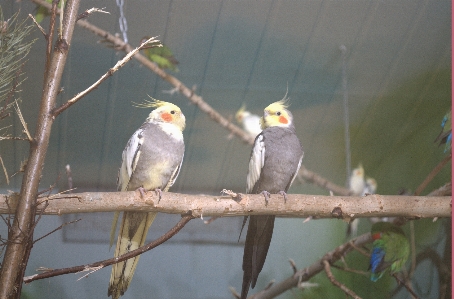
(256, 162)
(296, 172)
(130, 156)
(174, 176)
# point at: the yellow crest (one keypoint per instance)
(279, 105)
(239, 113)
(154, 103)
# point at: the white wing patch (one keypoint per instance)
(174, 176)
(297, 170)
(130, 157)
(256, 163)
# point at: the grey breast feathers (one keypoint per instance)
(160, 159)
(283, 155)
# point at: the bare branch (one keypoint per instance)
(109, 73)
(406, 285)
(98, 265)
(24, 124)
(311, 177)
(58, 228)
(4, 170)
(86, 13)
(37, 25)
(297, 205)
(309, 272)
(333, 280)
(432, 174)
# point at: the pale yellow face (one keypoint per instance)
(358, 172)
(276, 114)
(168, 113)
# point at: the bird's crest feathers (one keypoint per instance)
(239, 115)
(279, 105)
(276, 114)
(164, 111)
(154, 103)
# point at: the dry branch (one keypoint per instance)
(297, 205)
(309, 272)
(335, 282)
(98, 265)
(21, 233)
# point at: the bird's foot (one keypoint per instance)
(142, 192)
(267, 196)
(158, 193)
(283, 194)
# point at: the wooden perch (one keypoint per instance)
(297, 205)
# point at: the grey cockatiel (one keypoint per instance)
(275, 160)
(151, 161)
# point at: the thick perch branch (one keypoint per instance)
(297, 205)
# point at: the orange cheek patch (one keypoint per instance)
(283, 120)
(166, 117)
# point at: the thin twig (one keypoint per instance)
(86, 13)
(183, 221)
(37, 25)
(409, 289)
(109, 73)
(360, 250)
(24, 124)
(347, 269)
(333, 280)
(58, 228)
(4, 170)
(432, 174)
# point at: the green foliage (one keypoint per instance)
(14, 48)
(42, 12)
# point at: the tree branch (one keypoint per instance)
(109, 73)
(17, 251)
(98, 265)
(297, 205)
(333, 280)
(317, 267)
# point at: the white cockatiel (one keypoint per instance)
(371, 186)
(152, 160)
(359, 187)
(250, 122)
(357, 184)
(275, 160)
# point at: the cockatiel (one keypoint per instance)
(370, 187)
(250, 122)
(445, 135)
(357, 182)
(162, 56)
(390, 249)
(275, 160)
(357, 185)
(152, 160)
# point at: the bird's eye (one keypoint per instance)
(278, 113)
(172, 112)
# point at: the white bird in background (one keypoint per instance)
(250, 122)
(371, 186)
(359, 187)
(357, 182)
